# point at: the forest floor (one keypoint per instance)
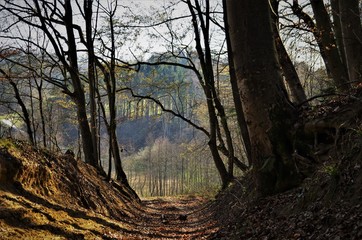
(327, 204)
(53, 196)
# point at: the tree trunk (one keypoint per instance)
(208, 72)
(88, 12)
(109, 174)
(121, 175)
(208, 85)
(326, 37)
(297, 93)
(224, 175)
(109, 72)
(268, 113)
(236, 97)
(39, 87)
(326, 44)
(78, 95)
(338, 31)
(352, 38)
(25, 112)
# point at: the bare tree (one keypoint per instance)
(218, 132)
(297, 93)
(109, 70)
(351, 29)
(324, 37)
(25, 115)
(92, 83)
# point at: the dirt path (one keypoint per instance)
(24, 217)
(176, 218)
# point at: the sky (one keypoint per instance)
(156, 39)
(152, 39)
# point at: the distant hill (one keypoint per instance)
(138, 133)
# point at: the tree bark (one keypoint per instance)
(268, 113)
(326, 36)
(338, 31)
(208, 86)
(88, 12)
(236, 97)
(78, 95)
(352, 38)
(297, 93)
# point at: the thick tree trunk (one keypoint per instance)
(352, 38)
(268, 113)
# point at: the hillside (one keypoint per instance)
(327, 205)
(56, 195)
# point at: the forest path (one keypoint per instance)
(177, 218)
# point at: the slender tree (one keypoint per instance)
(25, 113)
(88, 17)
(208, 84)
(324, 36)
(297, 93)
(350, 23)
(236, 97)
(109, 70)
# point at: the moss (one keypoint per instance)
(7, 143)
(331, 170)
